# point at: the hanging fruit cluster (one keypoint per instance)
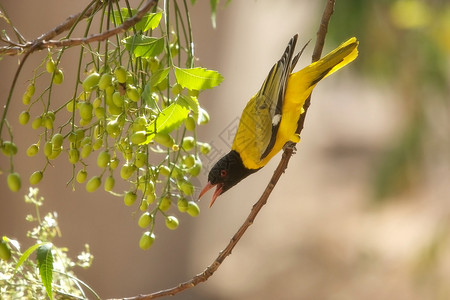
(133, 116)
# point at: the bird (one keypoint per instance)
(270, 118)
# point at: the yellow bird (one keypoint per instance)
(270, 118)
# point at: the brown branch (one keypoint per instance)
(45, 41)
(282, 166)
(64, 26)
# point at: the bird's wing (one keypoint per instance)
(261, 117)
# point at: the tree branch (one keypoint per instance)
(282, 166)
(45, 40)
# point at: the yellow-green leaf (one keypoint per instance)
(45, 265)
(159, 76)
(197, 78)
(144, 46)
(149, 21)
(26, 254)
(170, 118)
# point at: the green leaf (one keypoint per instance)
(150, 20)
(169, 119)
(147, 97)
(198, 78)
(26, 254)
(144, 46)
(191, 102)
(159, 76)
(117, 17)
(45, 265)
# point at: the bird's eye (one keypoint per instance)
(223, 173)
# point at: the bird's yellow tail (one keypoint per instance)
(302, 82)
(333, 61)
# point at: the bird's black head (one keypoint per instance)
(226, 173)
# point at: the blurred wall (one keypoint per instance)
(317, 238)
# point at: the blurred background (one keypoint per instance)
(363, 209)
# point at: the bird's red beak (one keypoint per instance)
(216, 194)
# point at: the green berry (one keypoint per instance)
(174, 49)
(132, 93)
(143, 206)
(145, 219)
(31, 88)
(151, 197)
(98, 143)
(195, 170)
(186, 187)
(86, 109)
(193, 210)
(164, 170)
(126, 171)
(55, 153)
(50, 65)
(74, 155)
(9, 148)
(114, 163)
(37, 122)
(189, 161)
(58, 77)
(138, 137)
(129, 198)
(91, 81)
(117, 99)
(141, 159)
(5, 251)
(182, 204)
(105, 81)
(48, 123)
(24, 117)
(93, 184)
(86, 150)
(165, 203)
(113, 128)
(103, 159)
(205, 148)
(164, 139)
(26, 99)
(14, 181)
(121, 74)
(32, 150)
(109, 183)
(97, 102)
(36, 177)
(100, 113)
(172, 222)
(188, 143)
(189, 123)
(81, 176)
(57, 140)
(48, 149)
(146, 240)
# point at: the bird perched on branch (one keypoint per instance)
(270, 118)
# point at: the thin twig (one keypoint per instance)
(45, 41)
(64, 26)
(41, 42)
(282, 166)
